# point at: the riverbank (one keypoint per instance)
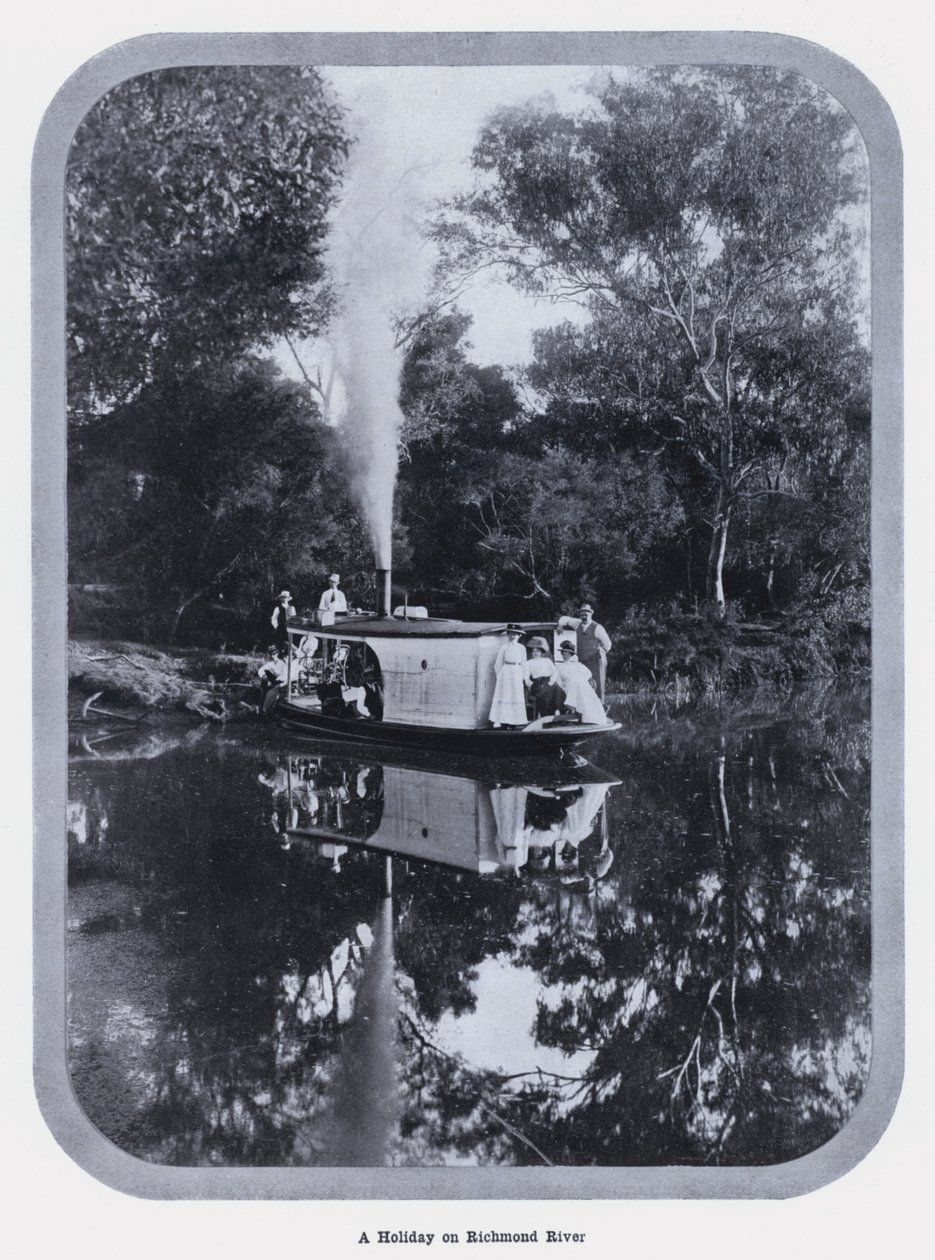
(695, 656)
(680, 656)
(134, 678)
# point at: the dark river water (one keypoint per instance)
(284, 952)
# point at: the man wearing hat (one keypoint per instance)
(281, 616)
(332, 600)
(593, 644)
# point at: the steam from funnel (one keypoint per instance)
(376, 267)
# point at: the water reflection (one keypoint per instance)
(333, 803)
(281, 955)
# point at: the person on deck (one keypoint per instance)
(332, 600)
(508, 707)
(273, 675)
(578, 684)
(541, 677)
(593, 644)
(281, 616)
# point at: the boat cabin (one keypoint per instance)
(418, 670)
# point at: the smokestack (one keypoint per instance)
(384, 593)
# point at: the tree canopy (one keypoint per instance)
(196, 200)
(196, 214)
(706, 220)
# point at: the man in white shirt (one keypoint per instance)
(332, 601)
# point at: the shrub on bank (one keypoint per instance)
(667, 650)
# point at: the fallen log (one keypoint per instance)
(89, 707)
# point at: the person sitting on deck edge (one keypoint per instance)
(541, 677)
(273, 674)
(578, 684)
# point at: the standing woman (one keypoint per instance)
(542, 679)
(508, 707)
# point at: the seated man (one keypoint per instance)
(272, 675)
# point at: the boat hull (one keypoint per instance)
(542, 740)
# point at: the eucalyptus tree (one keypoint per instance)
(709, 222)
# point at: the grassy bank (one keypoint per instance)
(134, 677)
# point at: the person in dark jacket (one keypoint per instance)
(593, 644)
(280, 617)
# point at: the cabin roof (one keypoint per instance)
(415, 628)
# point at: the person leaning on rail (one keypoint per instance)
(592, 645)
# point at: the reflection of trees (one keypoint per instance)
(447, 924)
(713, 987)
(455, 1113)
(263, 958)
(725, 996)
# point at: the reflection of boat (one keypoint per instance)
(442, 817)
(420, 682)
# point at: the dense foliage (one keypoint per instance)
(196, 205)
(195, 210)
(706, 222)
(695, 442)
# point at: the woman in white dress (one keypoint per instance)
(508, 707)
(576, 682)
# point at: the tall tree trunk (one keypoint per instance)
(716, 552)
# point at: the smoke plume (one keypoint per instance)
(377, 269)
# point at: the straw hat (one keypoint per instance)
(537, 642)
(285, 595)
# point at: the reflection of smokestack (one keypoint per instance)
(365, 1120)
(384, 594)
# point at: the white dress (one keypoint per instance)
(509, 696)
(509, 811)
(575, 679)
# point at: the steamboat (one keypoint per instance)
(400, 677)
